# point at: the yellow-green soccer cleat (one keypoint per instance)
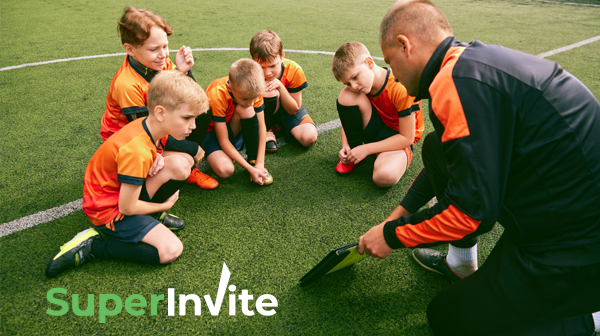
(74, 253)
(172, 222)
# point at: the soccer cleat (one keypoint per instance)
(271, 145)
(74, 253)
(269, 179)
(172, 222)
(344, 168)
(434, 261)
(202, 180)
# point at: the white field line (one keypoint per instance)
(567, 3)
(68, 208)
(123, 54)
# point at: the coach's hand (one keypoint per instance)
(373, 243)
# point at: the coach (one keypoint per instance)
(516, 141)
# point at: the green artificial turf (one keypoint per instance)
(268, 236)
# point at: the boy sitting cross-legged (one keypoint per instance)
(144, 35)
(285, 81)
(377, 115)
(237, 117)
(130, 182)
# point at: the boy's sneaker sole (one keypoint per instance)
(434, 261)
(74, 253)
(172, 222)
(271, 147)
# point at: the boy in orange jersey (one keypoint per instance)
(133, 178)
(237, 109)
(144, 37)
(377, 115)
(285, 81)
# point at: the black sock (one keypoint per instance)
(113, 249)
(202, 123)
(352, 123)
(250, 134)
(167, 190)
(270, 106)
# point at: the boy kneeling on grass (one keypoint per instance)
(377, 115)
(133, 178)
(237, 107)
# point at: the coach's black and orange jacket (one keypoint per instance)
(521, 137)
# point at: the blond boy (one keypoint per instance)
(237, 118)
(378, 116)
(285, 81)
(133, 178)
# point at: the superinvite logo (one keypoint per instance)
(137, 304)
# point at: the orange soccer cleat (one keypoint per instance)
(202, 180)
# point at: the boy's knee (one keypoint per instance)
(308, 138)
(181, 166)
(385, 179)
(170, 252)
(244, 112)
(223, 171)
(269, 94)
(348, 98)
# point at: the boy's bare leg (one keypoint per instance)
(306, 134)
(221, 164)
(389, 168)
(166, 242)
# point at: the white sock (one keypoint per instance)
(463, 261)
(596, 317)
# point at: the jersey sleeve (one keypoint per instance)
(297, 79)
(133, 164)
(218, 104)
(259, 104)
(404, 104)
(476, 125)
(131, 97)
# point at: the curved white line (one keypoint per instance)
(123, 54)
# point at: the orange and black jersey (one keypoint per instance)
(520, 135)
(392, 102)
(292, 76)
(125, 157)
(222, 103)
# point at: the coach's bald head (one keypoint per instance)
(410, 32)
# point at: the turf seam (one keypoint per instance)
(567, 3)
(49, 215)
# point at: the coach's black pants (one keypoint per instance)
(510, 294)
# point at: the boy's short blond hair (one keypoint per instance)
(346, 56)
(247, 76)
(265, 46)
(171, 88)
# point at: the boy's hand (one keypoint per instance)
(158, 164)
(199, 155)
(373, 243)
(184, 59)
(273, 85)
(357, 154)
(171, 200)
(257, 174)
(344, 154)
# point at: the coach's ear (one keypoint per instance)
(159, 113)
